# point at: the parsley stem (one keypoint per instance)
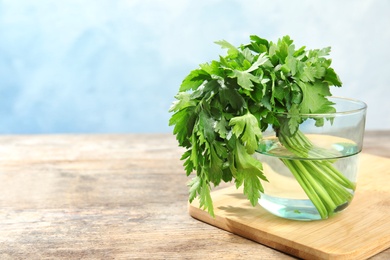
(307, 186)
(335, 189)
(317, 185)
(324, 185)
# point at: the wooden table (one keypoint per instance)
(111, 197)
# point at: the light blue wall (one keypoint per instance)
(114, 66)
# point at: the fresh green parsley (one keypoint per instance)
(223, 107)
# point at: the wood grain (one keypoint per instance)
(120, 196)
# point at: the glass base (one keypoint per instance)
(295, 209)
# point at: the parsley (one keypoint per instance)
(223, 107)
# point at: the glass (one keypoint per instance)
(312, 172)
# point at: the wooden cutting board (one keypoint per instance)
(361, 231)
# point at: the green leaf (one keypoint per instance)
(194, 80)
(261, 60)
(247, 128)
(205, 200)
(314, 97)
(323, 52)
(206, 125)
(332, 78)
(244, 79)
(183, 100)
(183, 121)
(216, 165)
(221, 127)
(188, 165)
(259, 41)
(308, 74)
(249, 171)
(282, 50)
(213, 69)
(194, 185)
(291, 63)
(230, 96)
(248, 56)
(294, 119)
(195, 151)
(232, 51)
(299, 52)
(227, 175)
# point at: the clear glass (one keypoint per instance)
(320, 181)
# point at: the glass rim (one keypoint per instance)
(360, 106)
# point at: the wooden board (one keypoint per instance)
(359, 232)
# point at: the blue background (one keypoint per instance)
(114, 66)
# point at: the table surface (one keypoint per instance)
(118, 196)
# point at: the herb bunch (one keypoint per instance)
(223, 107)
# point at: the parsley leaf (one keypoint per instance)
(244, 79)
(314, 97)
(247, 128)
(248, 171)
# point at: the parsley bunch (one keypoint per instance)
(223, 107)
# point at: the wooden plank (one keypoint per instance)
(104, 197)
(361, 231)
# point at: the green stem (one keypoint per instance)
(307, 187)
(317, 186)
(335, 189)
(325, 186)
(339, 176)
